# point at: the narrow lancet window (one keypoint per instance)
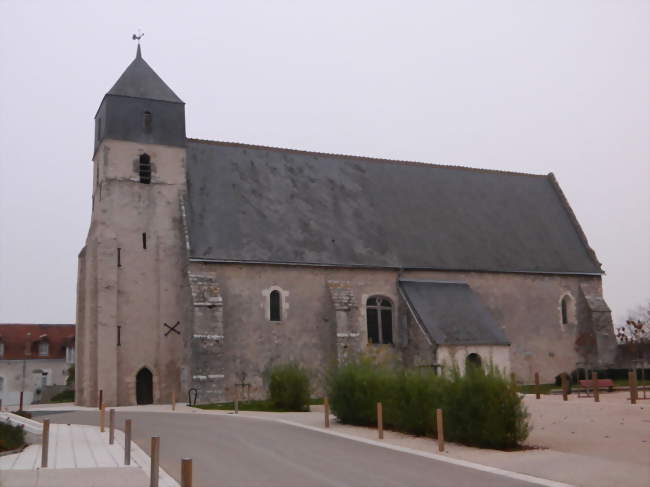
(145, 169)
(144, 240)
(275, 312)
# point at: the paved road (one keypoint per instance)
(234, 451)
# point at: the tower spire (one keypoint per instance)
(137, 37)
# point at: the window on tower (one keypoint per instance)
(147, 122)
(145, 169)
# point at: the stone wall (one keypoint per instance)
(327, 320)
(132, 287)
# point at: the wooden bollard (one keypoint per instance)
(127, 442)
(111, 426)
(46, 443)
(173, 400)
(101, 399)
(326, 407)
(102, 418)
(594, 377)
(440, 430)
(565, 387)
(186, 472)
(20, 408)
(380, 421)
(155, 461)
(537, 393)
(631, 376)
(236, 400)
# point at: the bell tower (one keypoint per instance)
(130, 322)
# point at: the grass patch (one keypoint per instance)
(11, 437)
(65, 396)
(264, 405)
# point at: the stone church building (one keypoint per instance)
(207, 262)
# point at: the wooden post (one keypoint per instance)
(380, 421)
(111, 426)
(155, 461)
(326, 407)
(186, 472)
(635, 387)
(537, 394)
(236, 400)
(21, 401)
(174, 400)
(46, 443)
(594, 377)
(101, 399)
(440, 430)
(127, 442)
(0, 404)
(102, 418)
(631, 376)
(565, 387)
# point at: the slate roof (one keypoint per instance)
(139, 80)
(21, 338)
(451, 313)
(260, 204)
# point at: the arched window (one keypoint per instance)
(147, 119)
(567, 310)
(379, 317)
(275, 306)
(43, 348)
(145, 169)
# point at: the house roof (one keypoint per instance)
(139, 80)
(268, 205)
(451, 313)
(21, 340)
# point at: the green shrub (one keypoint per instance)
(355, 389)
(481, 408)
(11, 437)
(289, 387)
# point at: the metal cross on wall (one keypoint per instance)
(172, 328)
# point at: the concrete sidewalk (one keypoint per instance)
(79, 455)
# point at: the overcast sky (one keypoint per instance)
(534, 86)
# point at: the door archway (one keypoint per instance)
(473, 360)
(144, 386)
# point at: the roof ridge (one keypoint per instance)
(365, 158)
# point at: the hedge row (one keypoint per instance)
(481, 407)
(11, 437)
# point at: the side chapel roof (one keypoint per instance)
(268, 205)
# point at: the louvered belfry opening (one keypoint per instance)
(145, 169)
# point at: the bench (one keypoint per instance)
(588, 385)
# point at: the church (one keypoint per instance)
(208, 262)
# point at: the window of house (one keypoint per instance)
(2, 383)
(145, 169)
(567, 310)
(275, 306)
(69, 355)
(2, 348)
(43, 348)
(379, 317)
(147, 119)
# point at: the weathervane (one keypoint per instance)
(138, 36)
